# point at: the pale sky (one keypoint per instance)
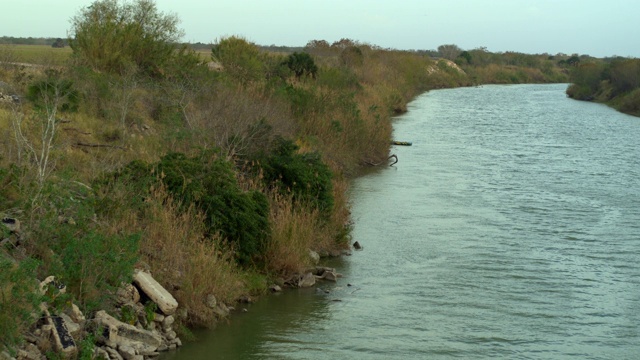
(597, 28)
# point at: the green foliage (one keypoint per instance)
(112, 36)
(87, 347)
(128, 315)
(352, 56)
(624, 75)
(304, 175)
(54, 92)
(150, 309)
(18, 299)
(464, 58)
(205, 181)
(301, 64)
(241, 59)
(88, 261)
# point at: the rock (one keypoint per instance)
(159, 318)
(75, 314)
(315, 257)
(221, 310)
(357, 246)
(113, 354)
(31, 352)
(330, 275)
(245, 299)
(320, 270)
(13, 225)
(345, 252)
(127, 352)
(168, 321)
(5, 356)
(73, 328)
(58, 287)
(171, 335)
(116, 333)
(61, 337)
(165, 301)
(275, 288)
(211, 301)
(127, 293)
(307, 280)
(99, 352)
(177, 341)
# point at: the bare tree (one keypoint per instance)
(35, 130)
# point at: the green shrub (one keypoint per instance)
(304, 175)
(206, 181)
(301, 64)
(18, 299)
(54, 93)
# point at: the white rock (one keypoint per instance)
(117, 333)
(315, 257)
(307, 280)
(159, 295)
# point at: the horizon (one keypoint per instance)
(585, 27)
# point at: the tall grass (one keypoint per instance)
(191, 264)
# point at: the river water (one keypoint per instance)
(510, 229)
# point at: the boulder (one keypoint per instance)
(330, 275)
(128, 353)
(127, 293)
(221, 310)
(357, 246)
(75, 314)
(168, 321)
(159, 295)
(73, 327)
(211, 301)
(117, 333)
(61, 336)
(315, 257)
(307, 280)
(275, 288)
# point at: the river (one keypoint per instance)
(510, 229)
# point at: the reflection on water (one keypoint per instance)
(510, 229)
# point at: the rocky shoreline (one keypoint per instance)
(141, 325)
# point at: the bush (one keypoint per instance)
(301, 64)
(305, 176)
(111, 36)
(205, 181)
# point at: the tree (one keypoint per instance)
(301, 64)
(59, 43)
(449, 51)
(35, 133)
(240, 59)
(111, 36)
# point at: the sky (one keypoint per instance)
(586, 27)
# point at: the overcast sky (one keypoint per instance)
(598, 28)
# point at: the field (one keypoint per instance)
(34, 54)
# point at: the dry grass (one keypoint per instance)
(295, 230)
(189, 264)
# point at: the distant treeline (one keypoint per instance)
(614, 81)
